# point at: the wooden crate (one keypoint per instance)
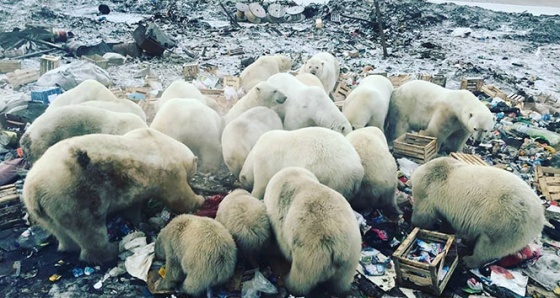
(190, 71)
(472, 84)
(232, 81)
(22, 76)
(416, 147)
(341, 91)
(439, 79)
(97, 60)
(48, 62)
(11, 207)
(469, 158)
(9, 65)
(547, 182)
(425, 276)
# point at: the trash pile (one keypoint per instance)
(138, 47)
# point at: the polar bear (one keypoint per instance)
(246, 219)
(307, 106)
(120, 106)
(183, 89)
(368, 104)
(263, 94)
(380, 171)
(262, 69)
(451, 116)
(199, 253)
(70, 121)
(328, 154)
(78, 181)
(196, 125)
(241, 135)
(324, 66)
(88, 90)
(315, 229)
(309, 79)
(493, 208)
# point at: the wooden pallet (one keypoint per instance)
(416, 147)
(547, 182)
(11, 207)
(472, 84)
(468, 158)
(341, 91)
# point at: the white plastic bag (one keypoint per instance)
(254, 287)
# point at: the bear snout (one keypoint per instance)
(281, 99)
(313, 72)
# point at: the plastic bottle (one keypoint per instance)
(536, 132)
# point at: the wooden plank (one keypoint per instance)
(22, 76)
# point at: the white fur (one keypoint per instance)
(263, 94)
(326, 67)
(183, 89)
(368, 104)
(262, 69)
(328, 154)
(241, 134)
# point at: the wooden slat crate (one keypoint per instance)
(547, 181)
(11, 207)
(468, 158)
(48, 62)
(416, 147)
(425, 276)
(232, 81)
(9, 65)
(472, 84)
(190, 71)
(22, 76)
(341, 91)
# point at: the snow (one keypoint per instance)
(535, 10)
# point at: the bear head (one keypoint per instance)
(269, 95)
(481, 125)
(314, 67)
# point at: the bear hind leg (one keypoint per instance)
(94, 241)
(484, 250)
(341, 282)
(173, 274)
(196, 285)
(65, 241)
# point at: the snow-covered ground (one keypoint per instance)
(533, 7)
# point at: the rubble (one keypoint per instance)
(140, 46)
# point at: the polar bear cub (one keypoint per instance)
(315, 229)
(199, 253)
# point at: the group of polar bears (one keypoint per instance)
(304, 166)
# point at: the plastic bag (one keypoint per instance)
(70, 75)
(254, 287)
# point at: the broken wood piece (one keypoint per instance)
(381, 32)
(22, 76)
(235, 51)
(49, 62)
(232, 20)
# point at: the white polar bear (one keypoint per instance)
(328, 154)
(199, 253)
(307, 106)
(309, 80)
(74, 120)
(241, 135)
(120, 106)
(263, 94)
(449, 115)
(262, 69)
(493, 208)
(380, 171)
(194, 124)
(246, 219)
(183, 89)
(368, 104)
(87, 90)
(326, 67)
(315, 229)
